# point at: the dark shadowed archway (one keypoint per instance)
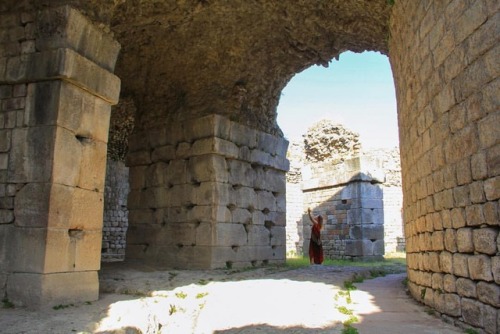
(205, 77)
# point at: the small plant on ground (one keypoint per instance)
(349, 286)
(7, 303)
(349, 330)
(429, 311)
(358, 279)
(405, 282)
(471, 331)
(172, 309)
(181, 295)
(344, 310)
(61, 306)
(203, 281)
(201, 295)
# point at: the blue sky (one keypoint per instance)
(356, 91)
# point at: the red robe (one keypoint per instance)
(315, 246)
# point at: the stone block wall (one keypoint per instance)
(349, 197)
(446, 63)
(56, 91)
(115, 222)
(207, 193)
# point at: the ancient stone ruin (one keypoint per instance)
(206, 77)
(332, 175)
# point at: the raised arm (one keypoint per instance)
(311, 217)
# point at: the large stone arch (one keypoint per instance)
(205, 77)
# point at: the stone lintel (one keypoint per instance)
(358, 169)
(66, 27)
(63, 64)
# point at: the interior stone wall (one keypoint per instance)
(446, 62)
(207, 193)
(56, 90)
(115, 219)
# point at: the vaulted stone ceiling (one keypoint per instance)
(186, 58)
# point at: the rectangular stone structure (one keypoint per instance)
(213, 196)
(58, 99)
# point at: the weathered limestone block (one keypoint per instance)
(265, 201)
(452, 304)
(472, 312)
(177, 172)
(491, 188)
(44, 291)
(210, 193)
(480, 267)
(209, 126)
(495, 268)
(434, 263)
(466, 288)
(437, 240)
(485, 240)
(379, 247)
(446, 261)
(244, 197)
(370, 232)
(243, 216)
(215, 145)
(243, 136)
(490, 319)
(67, 64)
(78, 33)
(359, 248)
(460, 265)
(241, 173)
(437, 282)
(163, 153)
(230, 235)
(450, 240)
(258, 235)
(269, 179)
(58, 206)
(449, 283)
(489, 293)
(464, 240)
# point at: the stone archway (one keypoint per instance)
(199, 68)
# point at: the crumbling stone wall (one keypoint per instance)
(445, 60)
(348, 187)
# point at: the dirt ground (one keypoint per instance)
(136, 299)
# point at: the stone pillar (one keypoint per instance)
(56, 90)
(445, 59)
(350, 198)
(207, 193)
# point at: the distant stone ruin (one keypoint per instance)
(358, 194)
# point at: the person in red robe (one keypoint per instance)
(315, 245)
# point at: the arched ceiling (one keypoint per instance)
(187, 58)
